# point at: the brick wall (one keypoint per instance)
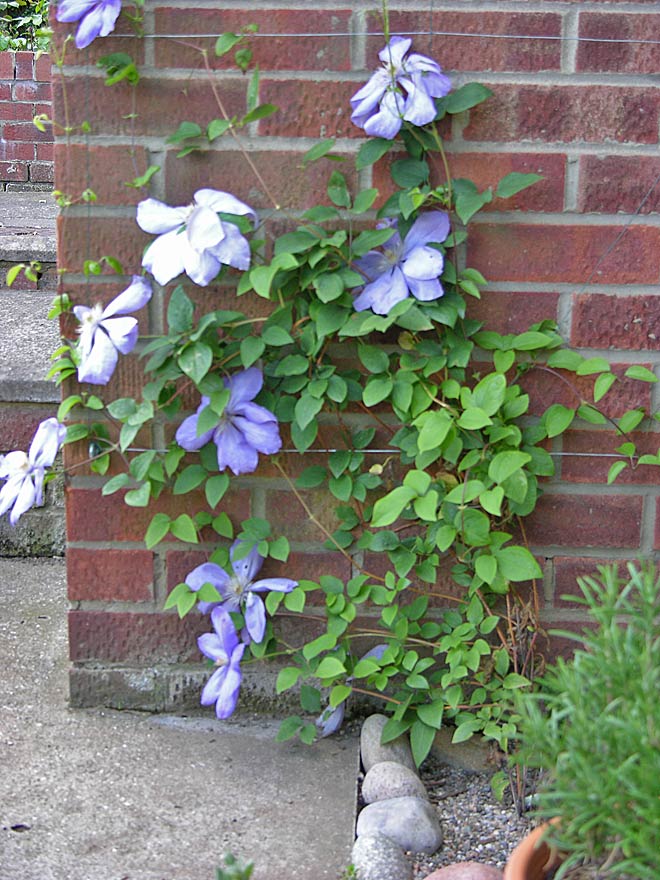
(26, 154)
(580, 247)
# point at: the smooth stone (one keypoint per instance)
(466, 871)
(373, 752)
(376, 857)
(409, 821)
(389, 779)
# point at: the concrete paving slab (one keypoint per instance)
(102, 795)
(28, 226)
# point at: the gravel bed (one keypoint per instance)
(477, 827)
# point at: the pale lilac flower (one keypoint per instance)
(224, 648)
(193, 239)
(24, 474)
(239, 589)
(97, 18)
(403, 89)
(404, 267)
(245, 428)
(107, 332)
(330, 720)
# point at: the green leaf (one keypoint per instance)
(391, 506)
(409, 172)
(252, 347)
(328, 286)
(486, 568)
(195, 361)
(491, 500)
(330, 667)
(189, 479)
(287, 678)
(593, 365)
(643, 374)
(532, 340)
(465, 730)
(215, 489)
(557, 419)
(473, 418)
(259, 112)
(184, 529)
(180, 311)
(225, 43)
(602, 385)
(216, 128)
(143, 179)
(435, 427)
(373, 358)
(506, 463)
(338, 191)
(377, 389)
(115, 483)
(312, 477)
(319, 150)
(371, 152)
(468, 204)
(615, 470)
(514, 183)
(139, 497)
(466, 97)
(421, 740)
(488, 394)
(517, 564)
(306, 409)
(185, 131)
(515, 680)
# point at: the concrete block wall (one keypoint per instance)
(26, 154)
(576, 99)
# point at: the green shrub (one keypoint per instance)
(23, 25)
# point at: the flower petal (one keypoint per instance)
(26, 497)
(432, 226)
(230, 687)
(204, 229)
(330, 720)
(255, 617)
(99, 365)
(234, 249)
(164, 256)
(234, 452)
(264, 437)
(387, 122)
(279, 585)
(46, 442)
(422, 264)
(392, 54)
(207, 573)
(244, 386)
(73, 10)
(123, 332)
(201, 266)
(10, 491)
(217, 200)
(224, 626)
(99, 21)
(157, 218)
(186, 435)
(383, 294)
(420, 106)
(426, 290)
(136, 295)
(246, 567)
(210, 644)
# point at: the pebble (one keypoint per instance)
(466, 871)
(373, 752)
(409, 821)
(389, 779)
(376, 857)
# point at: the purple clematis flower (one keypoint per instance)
(224, 648)
(107, 332)
(193, 239)
(404, 267)
(330, 720)
(245, 428)
(403, 89)
(97, 18)
(24, 474)
(239, 589)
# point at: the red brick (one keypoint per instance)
(292, 187)
(508, 312)
(18, 423)
(6, 65)
(626, 56)
(627, 323)
(13, 171)
(460, 52)
(565, 114)
(122, 39)
(83, 238)
(22, 151)
(160, 105)
(13, 111)
(566, 254)
(31, 91)
(5, 91)
(45, 152)
(546, 386)
(43, 68)
(288, 517)
(588, 458)
(567, 569)
(109, 575)
(111, 168)
(92, 517)
(41, 172)
(23, 65)
(609, 184)
(25, 131)
(270, 52)
(308, 109)
(138, 638)
(656, 543)
(586, 521)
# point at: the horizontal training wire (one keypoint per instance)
(558, 38)
(397, 451)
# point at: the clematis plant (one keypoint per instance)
(193, 238)
(24, 473)
(105, 333)
(405, 267)
(402, 90)
(244, 429)
(224, 648)
(239, 590)
(97, 18)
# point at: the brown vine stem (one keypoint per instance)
(320, 525)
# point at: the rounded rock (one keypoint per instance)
(466, 871)
(376, 857)
(373, 752)
(389, 779)
(409, 821)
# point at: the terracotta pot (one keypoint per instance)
(532, 859)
